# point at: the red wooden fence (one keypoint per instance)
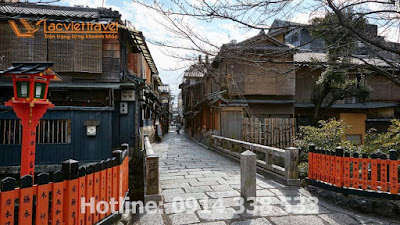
(375, 173)
(58, 202)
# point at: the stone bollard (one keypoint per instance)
(152, 176)
(248, 173)
(291, 163)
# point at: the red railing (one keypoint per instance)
(59, 202)
(376, 173)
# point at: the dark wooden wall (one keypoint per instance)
(20, 49)
(75, 55)
(82, 147)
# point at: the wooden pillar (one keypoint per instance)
(393, 172)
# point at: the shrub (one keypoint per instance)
(383, 141)
(328, 135)
(303, 170)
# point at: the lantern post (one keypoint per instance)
(30, 84)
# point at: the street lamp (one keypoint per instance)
(31, 84)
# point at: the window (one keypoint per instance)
(47, 132)
(295, 37)
(350, 100)
(354, 138)
(23, 89)
(39, 90)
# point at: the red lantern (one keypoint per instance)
(31, 84)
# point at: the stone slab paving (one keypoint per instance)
(204, 179)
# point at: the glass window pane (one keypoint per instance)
(39, 90)
(354, 138)
(23, 89)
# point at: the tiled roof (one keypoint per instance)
(37, 10)
(140, 41)
(28, 67)
(305, 57)
(282, 26)
(196, 70)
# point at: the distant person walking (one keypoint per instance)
(178, 128)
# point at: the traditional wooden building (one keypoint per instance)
(109, 87)
(244, 80)
(271, 83)
(192, 96)
(165, 98)
(376, 111)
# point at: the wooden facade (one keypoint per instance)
(265, 79)
(107, 82)
(243, 81)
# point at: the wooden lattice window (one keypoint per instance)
(47, 132)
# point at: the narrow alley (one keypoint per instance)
(200, 186)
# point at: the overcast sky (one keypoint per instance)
(218, 31)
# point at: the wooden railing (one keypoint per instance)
(376, 173)
(267, 157)
(59, 202)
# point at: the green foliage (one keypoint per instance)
(328, 135)
(383, 141)
(338, 85)
(340, 42)
(331, 134)
(303, 170)
(335, 83)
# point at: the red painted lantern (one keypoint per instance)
(31, 84)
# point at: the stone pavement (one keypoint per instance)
(204, 179)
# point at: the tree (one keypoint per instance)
(335, 83)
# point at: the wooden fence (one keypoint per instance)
(59, 202)
(376, 173)
(275, 132)
(286, 173)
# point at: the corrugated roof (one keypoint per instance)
(38, 10)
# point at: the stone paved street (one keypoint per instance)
(201, 176)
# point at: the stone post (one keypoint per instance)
(152, 176)
(248, 173)
(291, 162)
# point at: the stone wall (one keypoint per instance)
(377, 206)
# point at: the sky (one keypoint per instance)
(218, 32)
